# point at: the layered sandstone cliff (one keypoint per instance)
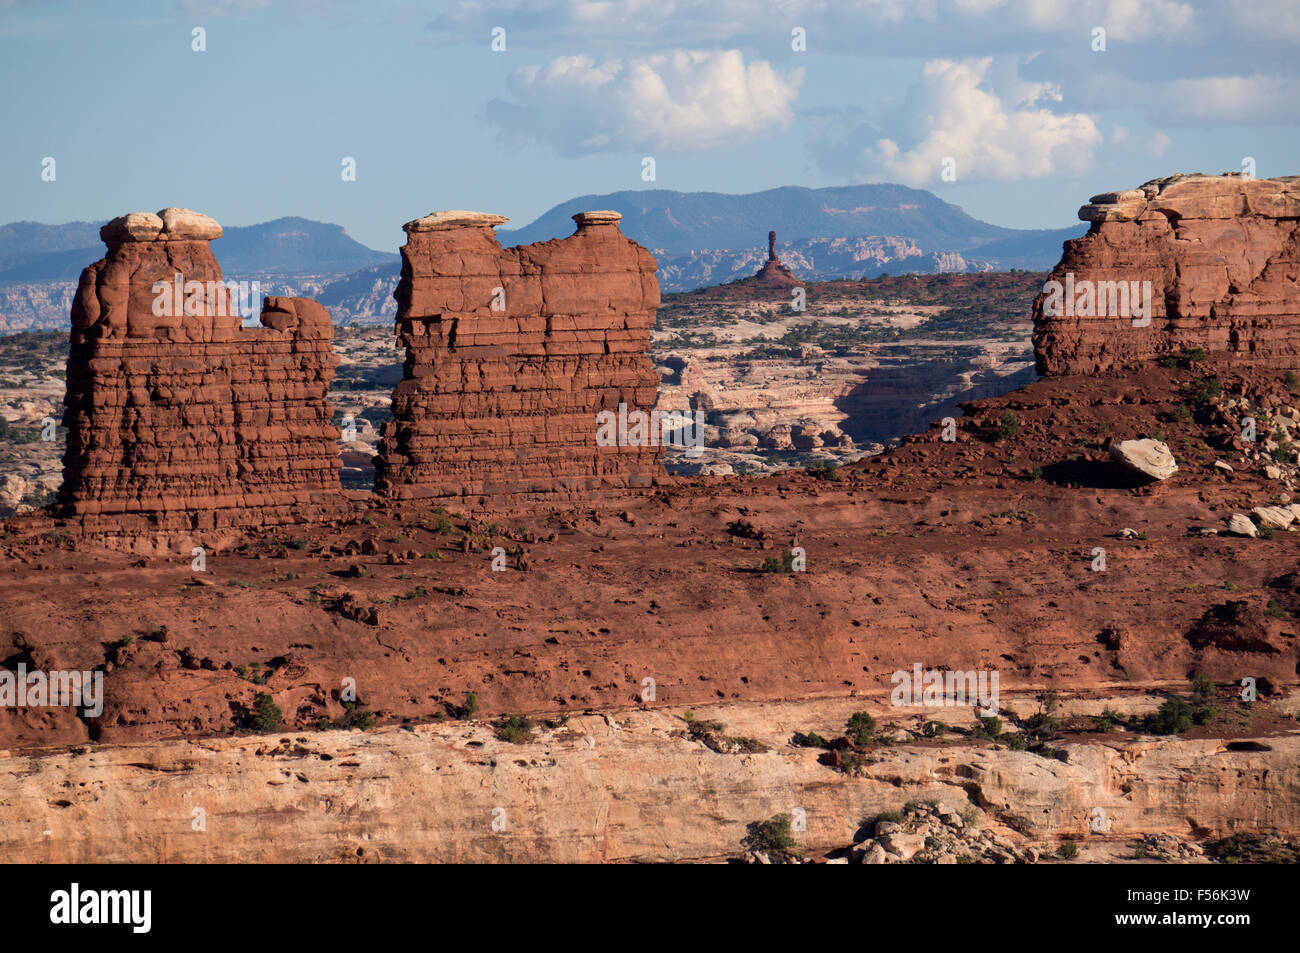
(179, 417)
(511, 355)
(1189, 261)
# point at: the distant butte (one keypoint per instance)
(774, 273)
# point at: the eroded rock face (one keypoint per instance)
(512, 353)
(178, 416)
(1215, 257)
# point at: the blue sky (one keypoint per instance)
(256, 126)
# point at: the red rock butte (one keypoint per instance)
(774, 273)
(510, 356)
(1221, 255)
(179, 417)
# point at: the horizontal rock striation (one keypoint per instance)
(179, 417)
(510, 356)
(1218, 256)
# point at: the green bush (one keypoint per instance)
(861, 728)
(266, 716)
(933, 729)
(987, 726)
(1173, 717)
(515, 728)
(1206, 389)
(1008, 425)
(354, 717)
(772, 836)
(809, 740)
(783, 565)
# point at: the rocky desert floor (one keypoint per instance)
(643, 680)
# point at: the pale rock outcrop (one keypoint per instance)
(1273, 517)
(1240, 525)
(1149, 457)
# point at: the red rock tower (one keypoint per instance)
(180, 418)
(1216, 257)
(774, 273)
(510, 356)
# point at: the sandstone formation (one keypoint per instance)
(613, 787)
(774, 274)
(512, 354)
(178, 416)
(1148, 457)
(1214, 257)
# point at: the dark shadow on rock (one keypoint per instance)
(1094, 474)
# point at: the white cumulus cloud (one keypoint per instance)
(954, 112)
(679, 101)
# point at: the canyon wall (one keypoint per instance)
(626, 787)
(178, 416)
(1220, 257)
(512, 353)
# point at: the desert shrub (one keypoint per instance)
(266, 715)
(824, 470)
(772, 836)
(933, 729)
(516, 729)
(809, 740)
(783, 565)
(1008, 425)
(355, 717)
(987, 726)
(470, 708)
(1068, 850)
(861, 728)
(1173, 717)
(1205, 389)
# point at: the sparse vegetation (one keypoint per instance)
(772, 836)
(516, 729)
(785, 564)
(266, 715)
(1008, 425)
(861, 728)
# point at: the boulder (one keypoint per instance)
(132, 227)
(180, 224)
(1241, 525)
(1149, 457)
(904, 846)
(1273, 517)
